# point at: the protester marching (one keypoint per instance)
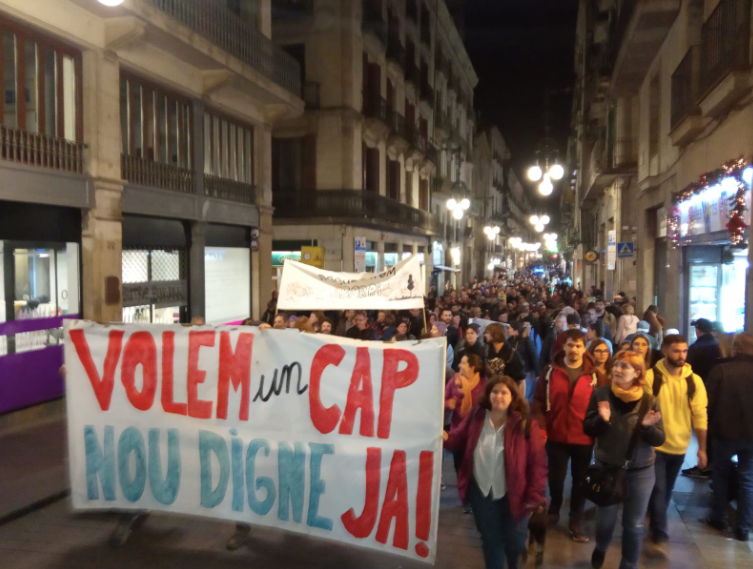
(539, 380)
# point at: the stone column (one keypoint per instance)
(196, 284)
(261, 260)
(101, 232)
(380, 256)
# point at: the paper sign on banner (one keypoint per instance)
(326, 436)
(611, 249)
(398, 287)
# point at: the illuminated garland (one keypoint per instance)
(736, 225)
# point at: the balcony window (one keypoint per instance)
(287, 164)
(155, 128)
(36, 125)
(228, 149)
(725, 40)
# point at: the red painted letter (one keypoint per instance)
(235, 368)
(324, 418)
(393, 379)
(362, 399)
(102, 387)
(140, 350)
(168, 397)
(395, 504)
(362, 526)
(196, 407)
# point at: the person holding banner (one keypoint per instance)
(361, 329)
(461, 395)
(503, 469)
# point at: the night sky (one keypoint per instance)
(519, 48)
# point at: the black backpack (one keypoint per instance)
(659, 381)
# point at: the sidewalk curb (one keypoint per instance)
(33, 507)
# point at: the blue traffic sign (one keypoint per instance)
(625, 250)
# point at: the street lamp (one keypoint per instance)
(111, 3)
(491, 232)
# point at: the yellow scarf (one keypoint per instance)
(627, 395)
(468, 386)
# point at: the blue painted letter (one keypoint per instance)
(291, 469)
(100, 463)
(317, 486)
(260, 508)
(236, 453)
(210, 443)
(164, 491)
(132, 441)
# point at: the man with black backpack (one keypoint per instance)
(682, 399)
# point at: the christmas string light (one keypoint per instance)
(734, 169)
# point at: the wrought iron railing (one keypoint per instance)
(432, 153)
(311, 94)
(353, 205)
(224, 189)
(684, 87)
(156, 174)
(397, 125)
(291, 10)
(412, 72)
(427, 92)
(411, 11)
(375, 106)
(396, 50)
(373, 21)
(214, 21)
(725, 42)
(35, 149)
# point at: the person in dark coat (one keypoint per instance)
(501, 359)
(731, 421)
(705, 351)
(470, 345)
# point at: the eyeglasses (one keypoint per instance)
(601, 352)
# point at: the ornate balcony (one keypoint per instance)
(375, 113)
(412, 73)
(351, 207)
(214, 21)
(156, 174)
(35, 149)
(397, 140)
(396, 53)
(224, 189)
(442, 128)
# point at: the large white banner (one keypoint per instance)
(326, 436)
(396, 288)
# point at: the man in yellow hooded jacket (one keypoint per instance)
(682, 399)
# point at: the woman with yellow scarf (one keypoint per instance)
(616, 412)
(461, 395)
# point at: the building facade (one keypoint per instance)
(135, 159)
(662, 116)
(365, 173)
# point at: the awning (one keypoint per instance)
(448, 269)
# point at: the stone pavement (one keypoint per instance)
(54, 537)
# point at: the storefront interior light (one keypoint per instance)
(748, 175)
(111, 3)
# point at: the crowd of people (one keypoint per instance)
(541, 376)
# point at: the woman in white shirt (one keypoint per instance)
(503, 472)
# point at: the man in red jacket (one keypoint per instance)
(559, 404)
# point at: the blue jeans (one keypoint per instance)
(501, 536)
(667, 468)
(724, 450)
(530, 385)
(640, 482)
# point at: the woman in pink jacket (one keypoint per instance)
(503, 471)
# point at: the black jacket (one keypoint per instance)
(506, 361)
(703, 355)
(527, 352)
(613, 438)
(453, 336)
(730, 391)
(464, 349)
(367, 334)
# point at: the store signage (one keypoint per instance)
(360, 254)
(161, 294)
(323, 436)
(611, 249)
(591, 256)
(709, 211)
(313, 256)
(307, 288)
(278, 257)
(625, 250)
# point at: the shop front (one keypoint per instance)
(708, 222)
(155, 270)
(40, 273)
(227, 274)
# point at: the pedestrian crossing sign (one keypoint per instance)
(626, 249)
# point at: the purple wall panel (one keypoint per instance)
(30, 378)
